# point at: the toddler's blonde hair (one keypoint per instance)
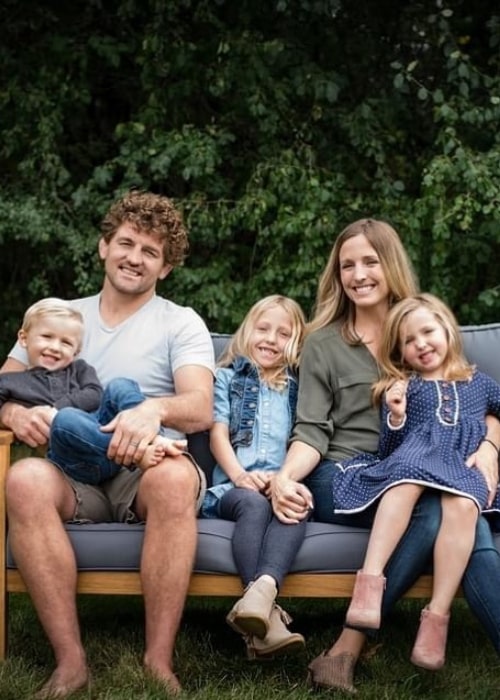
(55, 308)
(391, 362)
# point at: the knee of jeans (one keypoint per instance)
(253, 504)
(121, 385)
(484, 538)
(63, 420)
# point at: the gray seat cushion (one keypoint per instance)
(117, 547)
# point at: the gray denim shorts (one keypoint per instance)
(113, 500)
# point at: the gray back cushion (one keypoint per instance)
(482, 347)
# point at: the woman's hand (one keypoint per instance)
(292, 501)
(485, 458)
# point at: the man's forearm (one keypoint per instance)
(190, 412)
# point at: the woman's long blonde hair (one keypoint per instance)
(333, 304)
(239, 345)
(391, 363)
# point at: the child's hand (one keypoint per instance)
(395, 397)
(254, 481)
(267, 490)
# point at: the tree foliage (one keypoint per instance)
(272, 124)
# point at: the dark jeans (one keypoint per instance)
(77, 445)
(261, 543)
(413, 555)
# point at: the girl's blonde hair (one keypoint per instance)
(239, 345)
(53, 307)
(332, 303)
(391, 363)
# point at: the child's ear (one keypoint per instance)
(21, 336)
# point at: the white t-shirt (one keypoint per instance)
(149, 346)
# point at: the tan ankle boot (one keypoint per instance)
(250, 614)
(366, 601)
(279, 640)
(429, 650)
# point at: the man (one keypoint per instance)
(131, 332)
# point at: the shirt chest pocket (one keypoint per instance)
(353, 395)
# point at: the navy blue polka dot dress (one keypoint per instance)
(445, 423)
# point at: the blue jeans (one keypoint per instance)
(481, 582)
(413, 555)
(77, 445)
(261, 543)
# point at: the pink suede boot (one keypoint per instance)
(430, 644)
(366, 601)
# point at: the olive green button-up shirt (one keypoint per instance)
(335, 412)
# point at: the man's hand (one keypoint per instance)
(133, 430)
(486, 460)
(30, 425)
(292, 501)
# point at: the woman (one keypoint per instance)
(367, 272)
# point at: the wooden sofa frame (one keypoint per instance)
(301, 585)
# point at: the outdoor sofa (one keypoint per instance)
(108, 554)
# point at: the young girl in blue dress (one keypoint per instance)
(434, 406)
(255, 400)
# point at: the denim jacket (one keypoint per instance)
(259, 439)
(243, 393)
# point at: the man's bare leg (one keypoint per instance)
(166, 499)
(38, 499)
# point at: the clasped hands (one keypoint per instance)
(292, 501)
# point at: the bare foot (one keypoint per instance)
(63, 683)
(166, 677)
(153, 454)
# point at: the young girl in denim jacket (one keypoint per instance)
(255, 401)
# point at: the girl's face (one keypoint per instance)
(271, 332)
(424, 344)
(361, 273)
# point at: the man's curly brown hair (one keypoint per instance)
(153, 214)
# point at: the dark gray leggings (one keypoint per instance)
(261, 543)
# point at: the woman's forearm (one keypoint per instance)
(300, 461)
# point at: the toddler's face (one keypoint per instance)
(52, 343)
(424, 344)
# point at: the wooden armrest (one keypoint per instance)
(6, 440)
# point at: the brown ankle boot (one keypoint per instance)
(430, 645)
(335, 672)
(250, 614)
(279, 640)
(366, 601)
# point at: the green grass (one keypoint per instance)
(210, 658)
